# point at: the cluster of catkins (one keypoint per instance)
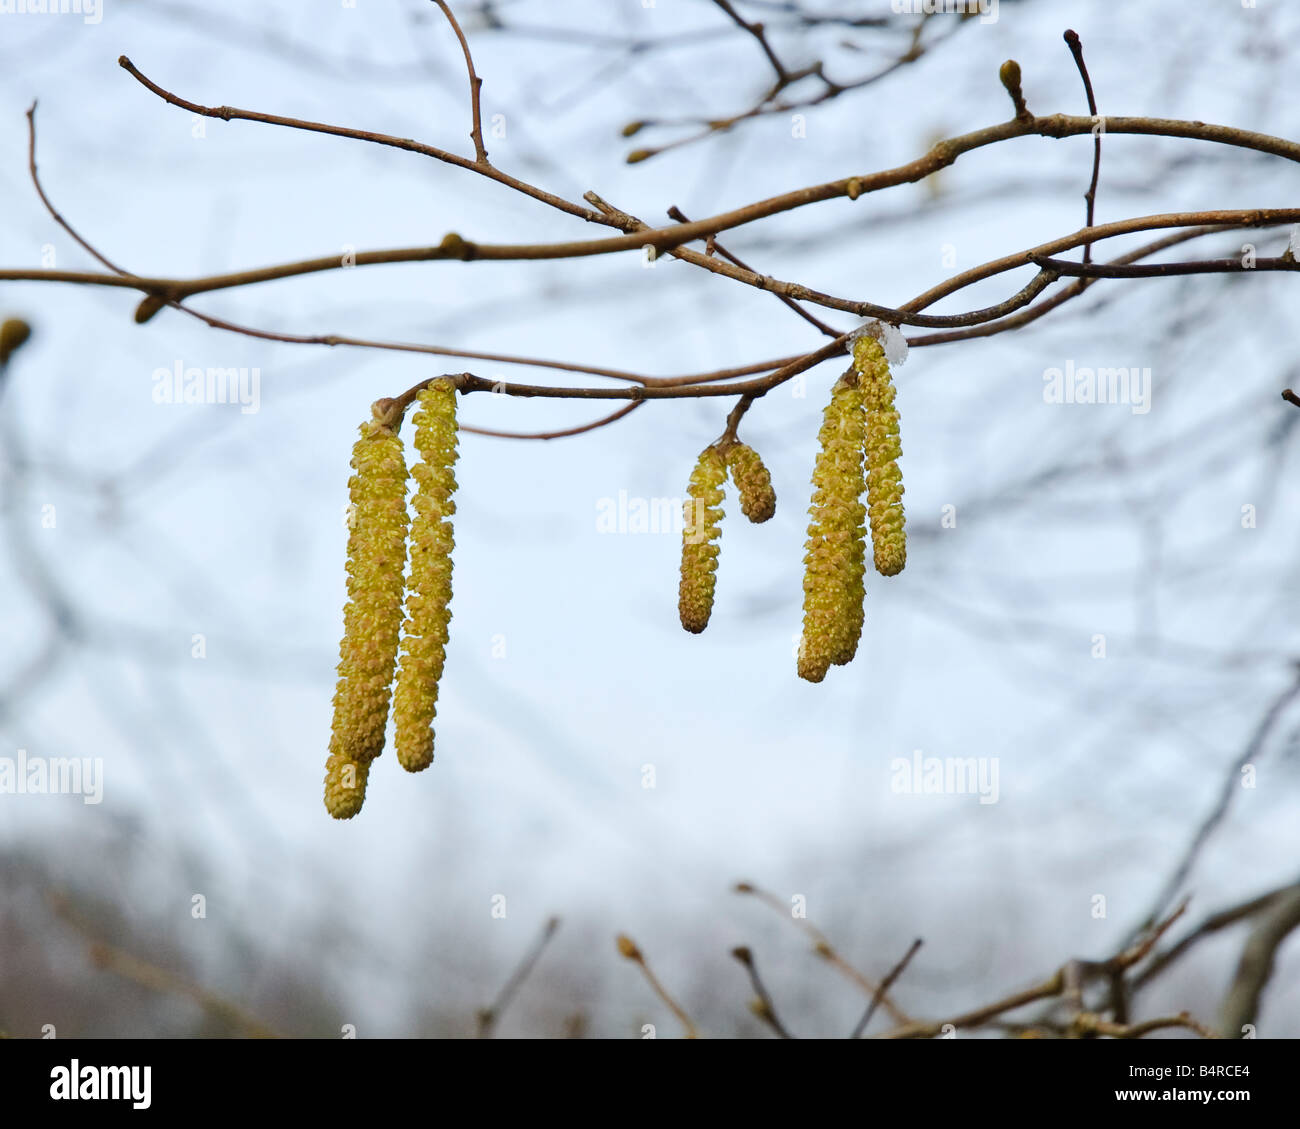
(702, 521)
(373, 622)
(859, 451)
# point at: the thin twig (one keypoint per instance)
(676, 213)
(475, 86)
(111, 958)
(1090, 197)
(1212, 924)
(1072, 290)
(1068, 976)
(1231, 785)
(489, 1016)
(823, 948)
(760, 34)
(762, 1005)
(230, 113)
(884, 986)
(627, 948)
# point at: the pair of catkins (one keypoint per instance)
(374, 624)
(859, 451)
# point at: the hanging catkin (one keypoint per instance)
(373, 615)
(702, 518)
(835, 556)
(883, 448)
(753, 482)
(428, 602)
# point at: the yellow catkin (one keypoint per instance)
(702, 513)
(883, 448)
(428, 601)
(834, 561)
(753, 482)
(372, 617)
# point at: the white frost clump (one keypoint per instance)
(1294, 245)
(890, 337)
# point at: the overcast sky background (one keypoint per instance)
(1072, 521)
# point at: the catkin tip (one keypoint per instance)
(345, 786)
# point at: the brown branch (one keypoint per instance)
(1067, 979)
(1163, 270)
(335, 339)
(672, 239)
(1073, 290)
(940, 156)
(1290, 397)
(456, 248)
(1233, 218)
(468, 382)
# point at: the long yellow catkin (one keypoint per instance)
(883, 448)
(373, 615)
(428, 602)
(753, 482)
(835, 557)
(702, 512)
